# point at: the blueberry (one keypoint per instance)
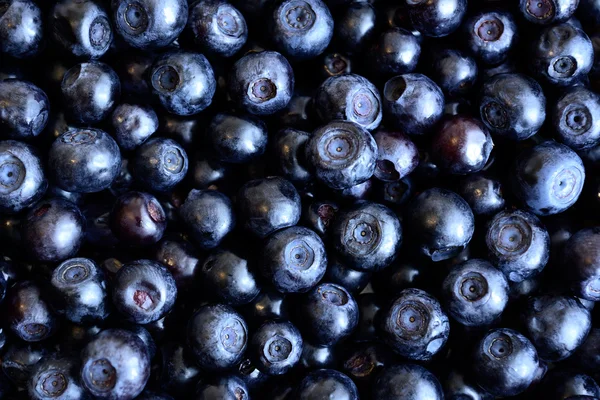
(159, 164)
(414, 325)
(267, 205)
(217, 27)
(475, 293)
(484, 195)
(556, 325)
(491, 36)
(146, 24)
(317, 357)
(79, 291)
(206, 172)
(341, 154)
(81, 28)
(512, 106)
(439, 237)
(562, 55)
(269, 305)
(276, 347)
(53, 230)
(225, 387)
(115, 365)
(504, 362)
(407, 381)
(150, 395)
(319, 216)
(22, 178)
(178, 374)
(229, 278)
(569, 385)
(518, 244)
(217, 336)
(575, 118)
(355, 25)
(138, 219)
(25, 109)
(261, 83)
(326, 383)
(133, 125)
(29, 316)
(436, 18)
(353, 280)
(143, 291)
(548, 178)
(581, 254)
(368, 236)
(180, 258)
(364, 363)
(458, 385)
(84, 160)
(350, 98)
(294, 260)
(396, 51)
(56, 378)
(19, 361)
(90, 91)
(462, 145)
(21, 30)
(237, 139)
(412, 103)
(288, 148)
(547, 12)
(183, 82)
(455, 72)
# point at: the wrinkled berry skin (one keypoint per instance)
(25, 109)
(276, 347)
(267, 205)
(84, 160)
(326, 384)
(90, 91)
(556, 325)
(483, 194)
(396, 51)
(449, 235)
(146, 24)
(159, 164)
(518, 244)
(217, 336)
(143, 291)
(56, 378)
(328, 314)
(407, 381)
(28, 314)
(300, 30)
(505, 362)
(237, 139)
(224, 387)
(53, 230)
(81, 28)
(217, 27)
(436, 18)
(294, 260)
(562, 55)
(462, 145)
(412, 103)
(21, 29)
(138, 219)
(133, 125)
(475, 293)
(79, 291)
(341, 154)
(22, 180)
(582, 255)
(261, 83)
(454, 71)
(491, 36)
(288, 151)
(512, 106)
(368, 236)
(548, 178)
(230, 278)
(414, 325)
(349, 97)
(576, 118)
(183, 82)
(115, 365)
(547, 12)
(209, 216)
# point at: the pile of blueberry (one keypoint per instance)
(299, 199)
